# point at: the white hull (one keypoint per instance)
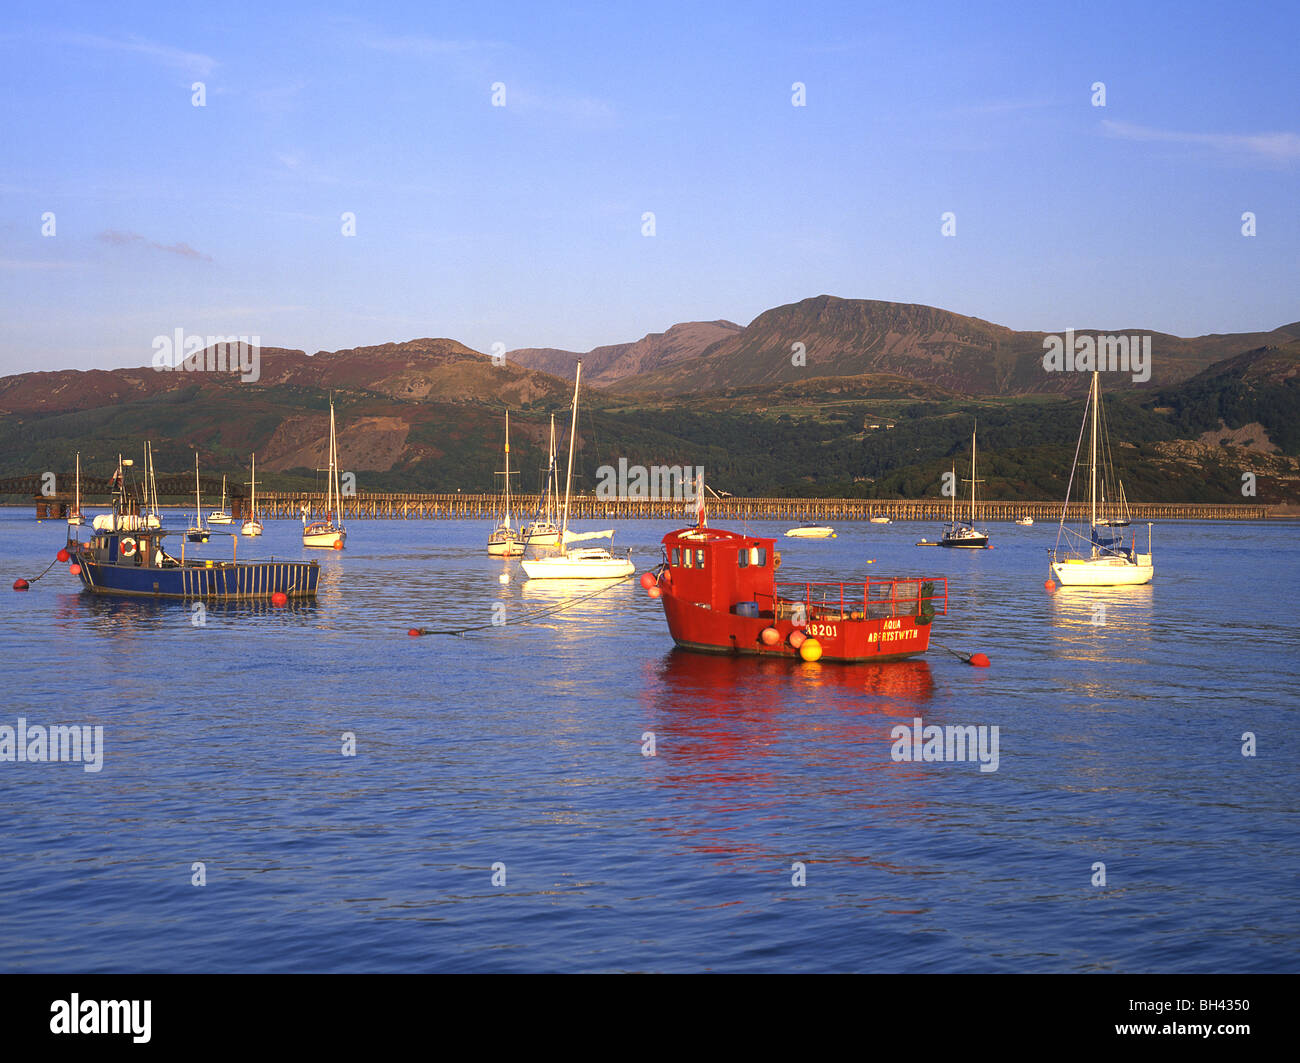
(506, 548)
(1104, 572)
(881, 520)
(581, 564)
(251, 527)
(1026, 522)
(325, 540)
(76, 522)
(810, 533)
(220, 518)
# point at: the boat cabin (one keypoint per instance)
(143, 549)
(720, 569)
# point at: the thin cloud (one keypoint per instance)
(191, 62)
(581, 107)
(419, 45)
(32, 265)
(124, 239)
(1275, 147)
(1002, 106)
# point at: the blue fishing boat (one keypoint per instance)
(126, 557)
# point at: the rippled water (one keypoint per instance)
(1120, 742)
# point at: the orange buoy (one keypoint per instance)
(415, 632)
(797, 638)
(979, 660)
(21, 585)
(338, 544)
(654, 592)
(811, 650)
(648, 580)
(1050, 585)
(75, 569)
(769, 636)
(63, 555)
(279, 598)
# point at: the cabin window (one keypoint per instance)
(677, 557)
(742, 558)
(686, 558)
(699, 558)
(758, 555)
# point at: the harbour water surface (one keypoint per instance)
(1121, 717)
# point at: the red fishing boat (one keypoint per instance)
(721, 595)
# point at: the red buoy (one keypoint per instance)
(654, 592)
(63, 555)
(279, 598)
(796, 639)
(770, 636)
(20, 585)
(979, 660)
(415, 632)
(75, 569)
(338, 544)
(648, 580)
(1050, 585)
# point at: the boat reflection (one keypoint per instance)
(743, 740)
(725, 684)
(1102, 623)
(128, 617)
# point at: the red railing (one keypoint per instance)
(870, 600)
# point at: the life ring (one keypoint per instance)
(776, 561)
(126, 547)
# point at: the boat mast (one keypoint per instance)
(507, 468)
(972, 475)
(568, 476)
(552, 503)
(1092, 465)
(78, 483)
(198, 503)
(252, 506)
(952, 519)
(333, 471)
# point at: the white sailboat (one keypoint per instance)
(1098, 559)
(222, 515)
(75, 519)
(328, 534)
(962, 534)
(584, 562)
(505, 541)
(546, 530)
(252, 526)
(198, 531)
(152, 519)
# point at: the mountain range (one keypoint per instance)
(425, 414)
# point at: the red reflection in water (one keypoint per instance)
(745, 740)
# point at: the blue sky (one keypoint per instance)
(522, 224)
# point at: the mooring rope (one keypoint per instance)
(979, 660)
(527, 618)
(47, 568)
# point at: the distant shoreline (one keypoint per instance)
(287, 506)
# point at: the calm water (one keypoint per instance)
(1120, 742)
